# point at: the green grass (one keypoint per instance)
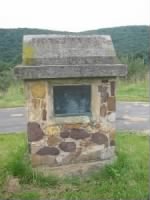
(133, 91)
(14, 97)
(27, 196)
(127, 178)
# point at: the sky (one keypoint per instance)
(73, 15)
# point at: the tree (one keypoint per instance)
(6, 79)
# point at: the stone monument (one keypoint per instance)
(70, 83)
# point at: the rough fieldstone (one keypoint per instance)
(111, 103)
(104, 93)
(107, 153)
(53, 140)
(34, 131)
(48, 151)
(78, 134)
(65, 158)
(111, 117)
(43, 104)
(91, 154)
(99, 138)
(68, 146)
(65, 134)
(112, 143)
(85, 143)
(38, 89)
(73, 125)
(103, 110)
(38, 160)
(29, 147)
(112, 86)
(44, 115)
(104, 81)
(97, 125)
(52, 130)
(36, 103)
(112, 134)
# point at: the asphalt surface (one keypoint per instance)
(130, 116)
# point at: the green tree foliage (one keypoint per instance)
(11, 42)
(137, 69)
(6, 78)
(128, 40)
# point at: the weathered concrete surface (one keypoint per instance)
(65, 71)
(61, 56)
(75, 169)
(130, 116)
(68, 49)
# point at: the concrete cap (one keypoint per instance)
(76, 51)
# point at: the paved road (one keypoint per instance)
(130, 116)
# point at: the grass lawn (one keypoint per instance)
(133, 91)
(127, 178)
(126, 91)
(14, 97)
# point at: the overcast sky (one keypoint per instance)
(73, 15)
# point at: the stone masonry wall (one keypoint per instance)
(55, 143)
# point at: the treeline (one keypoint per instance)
(131, 41)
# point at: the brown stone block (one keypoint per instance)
(38, 160)
(103, 110)
(29, 147)
(111, 103)
(34, 131)
(71, 126)
(112, 86)
(104, 93)
(104, 81)
(99, 138)
(68, 157)
(52, 130)
(43, 104)
(107, 153)
(38, 89)
(68, 146)
(44, 115)
(65, 134)
(78, 134)
(36, 103)
(48, 151)
(97, 126)
(53, 140)
(85, 143)
(112, 143)
(112, 134)
(90, 154)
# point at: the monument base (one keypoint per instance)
(76, 169)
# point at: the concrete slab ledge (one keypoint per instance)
(70, 71)
(77, 169)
